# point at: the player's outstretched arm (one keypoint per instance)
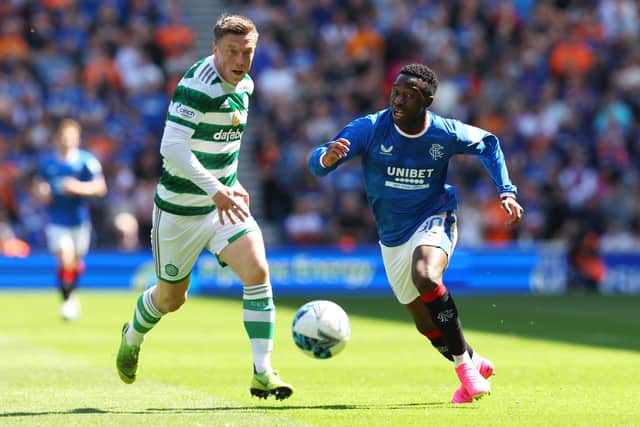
(337, 150)
(97, 187)
(324, 158)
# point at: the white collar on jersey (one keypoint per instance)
(427, 122)
(70, 157)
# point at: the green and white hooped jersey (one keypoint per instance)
(215, 113)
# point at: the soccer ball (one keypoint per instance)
(321, 329)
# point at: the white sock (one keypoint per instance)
(463, 358)
(262, 361)
(146, 315)
(259, 316)
(133, 337)
(476, 359)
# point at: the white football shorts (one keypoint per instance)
(437, 230)
(178, 240)
(63, 238)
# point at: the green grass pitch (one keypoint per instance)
(560, 361)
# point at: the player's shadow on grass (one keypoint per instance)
(89, 411)
(69, 412)
(593, 320)
(334, 407)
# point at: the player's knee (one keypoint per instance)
(262, 270)
(67, 260)
(426, 278)
(259, 273)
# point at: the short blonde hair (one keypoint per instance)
(233, 24)
(68, 123)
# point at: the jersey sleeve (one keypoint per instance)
(475, 141)
(93, 166)
(182, 158)
(187, 106)
(357, 133)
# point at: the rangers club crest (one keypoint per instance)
(436, 151)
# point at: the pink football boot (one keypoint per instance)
(486, 369)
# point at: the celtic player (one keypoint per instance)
(405, 151)
(200, 203)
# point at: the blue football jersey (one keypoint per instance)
(404, 175)
(64, 209)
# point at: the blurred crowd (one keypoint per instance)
(111, 65)
(556, 81)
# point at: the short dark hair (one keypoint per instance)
(424, 73)
(233, 24)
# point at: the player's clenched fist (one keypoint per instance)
(337, 150)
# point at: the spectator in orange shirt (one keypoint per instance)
(175, 38)
(100, 69)
(495, 231)
(366, 41)
(10, 246)
(571, 56)
(586, 266)
(57, 4)
(12, 43)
